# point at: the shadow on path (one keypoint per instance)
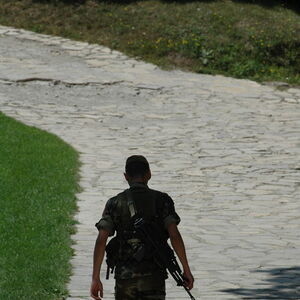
(283, 283)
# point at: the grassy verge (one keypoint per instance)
(259, 40)
(37, 185)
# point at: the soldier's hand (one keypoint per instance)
(96, 288)
(188, 279)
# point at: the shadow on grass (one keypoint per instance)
(71, 2)
(291, 4)
(283, 283)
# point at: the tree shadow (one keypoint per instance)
(284, 283)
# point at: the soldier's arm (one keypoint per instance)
(99, 250)
(178, 245)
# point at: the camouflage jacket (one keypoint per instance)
(150, 204)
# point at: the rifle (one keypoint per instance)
(162, 252)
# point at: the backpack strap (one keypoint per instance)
(126, 205)
(130, 203)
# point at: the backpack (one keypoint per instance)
(126, 246)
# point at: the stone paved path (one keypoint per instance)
(226, 150)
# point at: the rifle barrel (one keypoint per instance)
(107, 272)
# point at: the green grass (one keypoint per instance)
(38, 181)
(243, 39)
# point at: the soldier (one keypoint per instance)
(142, 278)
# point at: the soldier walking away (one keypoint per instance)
(139, 274)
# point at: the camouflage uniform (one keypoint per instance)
(141, 288)
(143, 279)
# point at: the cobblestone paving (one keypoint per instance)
(226, 150)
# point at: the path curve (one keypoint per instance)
(226, 150)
